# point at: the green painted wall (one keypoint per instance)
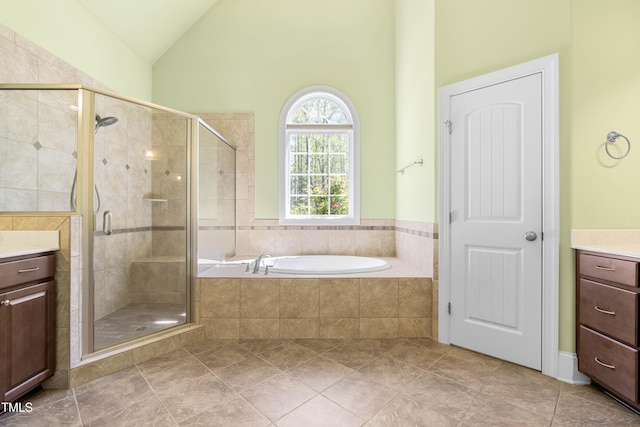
(599, 47)
(416, 192)
(249, 56)
(68, 30)
(605, 96)
(477, 37)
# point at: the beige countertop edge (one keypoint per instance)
(28, 242)
(624, 242)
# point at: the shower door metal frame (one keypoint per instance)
(86, 114)
(85, 208)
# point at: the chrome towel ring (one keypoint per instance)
(611, 138)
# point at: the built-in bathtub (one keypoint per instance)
(306, 265)
(320, 296)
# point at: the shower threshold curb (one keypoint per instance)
(136, 344)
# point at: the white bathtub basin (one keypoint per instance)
(323, 264)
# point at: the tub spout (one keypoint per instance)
(256, 267)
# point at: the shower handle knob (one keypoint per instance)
(530, 236)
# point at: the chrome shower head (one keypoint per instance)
(104, 121)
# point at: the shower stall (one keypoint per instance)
(135, 172)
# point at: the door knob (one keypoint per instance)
(5, 303)
(530, 236)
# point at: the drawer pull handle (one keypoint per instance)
(599, 267)
(5, 303)
(606, 365)
(28, 270)
(610, 313)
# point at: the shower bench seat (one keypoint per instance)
(158, 279)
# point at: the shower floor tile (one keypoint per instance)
(136, 320)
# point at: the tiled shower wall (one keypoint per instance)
(37, 147)
(169, 185)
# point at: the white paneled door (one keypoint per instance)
(496, 220)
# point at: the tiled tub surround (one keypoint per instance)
(226, 305)
(371, 238)
(386, 304)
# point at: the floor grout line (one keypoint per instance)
(384, 363)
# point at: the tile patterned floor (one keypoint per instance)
(136, 320)
(306, 383)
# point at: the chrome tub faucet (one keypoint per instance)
(256, 267)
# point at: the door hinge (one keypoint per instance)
(449, 308)
(450, 217)
(448, 125)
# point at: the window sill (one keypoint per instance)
(322, 221)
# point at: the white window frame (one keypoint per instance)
(353, 218)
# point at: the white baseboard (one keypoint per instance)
(568, 369)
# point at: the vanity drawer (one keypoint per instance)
(611, 269)
(26, 270)
(609, 363)
(610, 310)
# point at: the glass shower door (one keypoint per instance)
(140, 270)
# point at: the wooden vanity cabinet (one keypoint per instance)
(607, 335)
(27, 323)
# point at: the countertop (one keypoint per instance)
(625, 242)
(28, 242)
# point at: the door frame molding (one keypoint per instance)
(548, 67)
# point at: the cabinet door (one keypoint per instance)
(27, 338)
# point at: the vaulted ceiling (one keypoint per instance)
(149, 27)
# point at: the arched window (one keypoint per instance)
(319, 159)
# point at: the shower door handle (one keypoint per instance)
(107, 217)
